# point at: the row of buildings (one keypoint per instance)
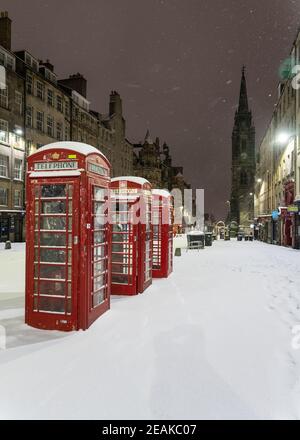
(277, 183)
(37, 108)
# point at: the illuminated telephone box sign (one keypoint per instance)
(131, 267)
(162, 221)
(68, 237)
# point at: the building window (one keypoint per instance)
(4, 97)
(3, 131)
(19, 102)
(29, 112)
(50, 126)
(59, 131)
(59, 103)
(243, 178)
(40, 121)
(3, 196)
(67, 108)
(50, 97)
(18, 169)
(40, 89)
(3, 166)
(29, 83)
(18, 198)
(66, 134)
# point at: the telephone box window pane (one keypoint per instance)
(36, 238)
(52, 304)
(69, 256)
(36, 191)
(36, 223)
(53, 272)
(69, 273)
(99, 237)
(120, 258)
(70, 207)
(70, 190)
(52, 288)
(99, 251)
(54, 207)
(119, 279)
(36, 206)
(57, 190)
(52, 239)
(98, 282)
(99, 266)
(53, 223)
(118, 247)
(120, 238)
(52, 255)
(99, 193)
(98, 298)
(69, 289)
(99, 221)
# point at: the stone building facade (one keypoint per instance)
(277, 188)
(12, 146)
(243, 162)
(155, 164)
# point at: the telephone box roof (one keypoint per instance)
(161, 192)
(79, 147)
(139, 180)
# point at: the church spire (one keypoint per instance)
(243, 102)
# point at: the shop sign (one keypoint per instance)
(292, 208)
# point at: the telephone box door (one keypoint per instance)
(124, 265)
(52, 253)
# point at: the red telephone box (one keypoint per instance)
(67, 236)
(131, 235)
(162, 220)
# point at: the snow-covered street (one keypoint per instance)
(212, 341)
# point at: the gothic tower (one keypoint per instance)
(243, 162)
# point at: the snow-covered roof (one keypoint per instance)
(139, 180)
(79, 147)
(161, 192)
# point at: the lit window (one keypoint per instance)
(3, 131)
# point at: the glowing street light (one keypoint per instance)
(259, 180)
(282, 138)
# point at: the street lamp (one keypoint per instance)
(283, 137)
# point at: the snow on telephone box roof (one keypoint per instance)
(140, 180)
(161, 192)
(79, 147)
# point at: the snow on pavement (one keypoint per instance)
(211, 341)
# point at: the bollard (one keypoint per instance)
(178, 252)
(7, 244)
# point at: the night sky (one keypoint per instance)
(176, 63)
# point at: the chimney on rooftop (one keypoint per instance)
(5, 30)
